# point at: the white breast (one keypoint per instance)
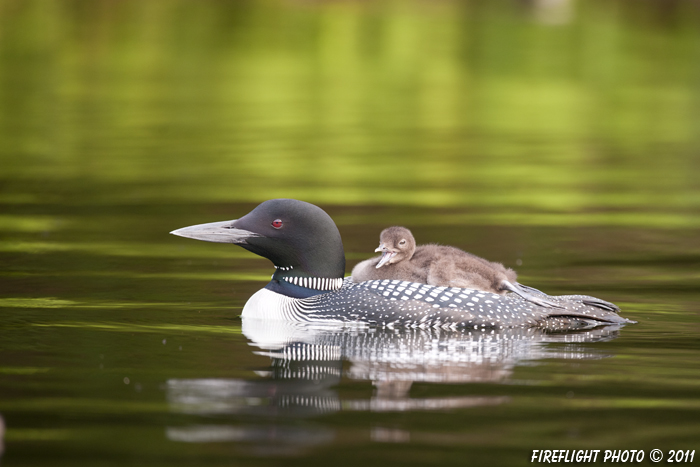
(266, 304)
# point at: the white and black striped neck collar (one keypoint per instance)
(316, 283)
(293, 283)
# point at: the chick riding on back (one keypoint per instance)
(440, 265)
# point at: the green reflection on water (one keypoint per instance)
(28, 223)
(91, 405)
(22, 371)
(146, 328)
(116, 249)
(39, 435)
(35, 303)
(476, 104)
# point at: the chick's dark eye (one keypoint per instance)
(402, 242)
(277, 223)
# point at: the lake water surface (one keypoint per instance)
(561, 140)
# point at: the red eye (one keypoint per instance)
(277, 223)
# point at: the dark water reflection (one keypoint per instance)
(308, 363)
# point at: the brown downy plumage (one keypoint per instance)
(440, 265)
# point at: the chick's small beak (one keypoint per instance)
(387, 254)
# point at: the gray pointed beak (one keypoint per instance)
(219, 232)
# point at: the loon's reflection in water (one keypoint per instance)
(307, 362)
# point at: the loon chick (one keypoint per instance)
(304, 244)
(439, 265)
(398, 248)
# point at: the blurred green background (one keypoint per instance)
(560, 137)
(549, 108)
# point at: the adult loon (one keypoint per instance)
(439, 265)
(304, 244)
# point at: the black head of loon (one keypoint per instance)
(300, 239)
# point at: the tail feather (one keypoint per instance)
(585, 299)
(597, 302)
(537, 298)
